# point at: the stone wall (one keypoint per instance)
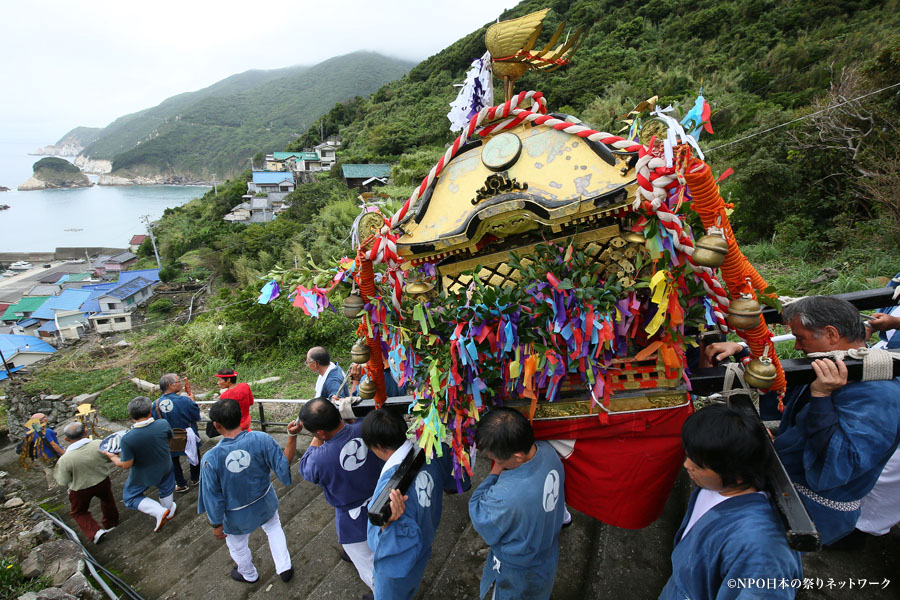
(20, 407)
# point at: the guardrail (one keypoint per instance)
(361, 409)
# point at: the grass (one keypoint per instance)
(71, 382)
(857, 268)
(113, 403)
(13, 584)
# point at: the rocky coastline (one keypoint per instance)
(53, 173)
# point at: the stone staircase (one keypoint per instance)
(184, 560)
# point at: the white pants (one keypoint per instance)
(880, 508)
(240, 549)
(363, 560)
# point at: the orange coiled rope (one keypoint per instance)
(375, 366)
(736, 269)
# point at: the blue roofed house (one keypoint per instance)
(149, 274)
(27, 326)
(91, 306)
(276, 184)
(23, 350)
(61, 317)
(126, 296)
(116, 302)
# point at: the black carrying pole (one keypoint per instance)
(380, 513)
(802, 534)
(797, 371)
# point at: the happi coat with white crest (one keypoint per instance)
(402, 549)
(235, 486)
(519, 514)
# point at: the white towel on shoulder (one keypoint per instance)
(192, 448)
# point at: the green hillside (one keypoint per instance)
(217, 129)
(81, 136)
(58, 172)
(761, 63)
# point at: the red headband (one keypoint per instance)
(232, 374)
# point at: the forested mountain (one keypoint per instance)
(217, 129)
(81, 136)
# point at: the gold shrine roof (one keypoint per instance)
(513, 182)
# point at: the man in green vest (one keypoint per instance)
(84, 469)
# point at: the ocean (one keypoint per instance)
(43, 220)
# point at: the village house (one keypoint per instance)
(22, 350)
(23, 308)
(112, 322)
(271, 184)
(61, 317)
(136, 241)
(126, 296)
(240, 213)
(265, 198)
(106, 266)
(43, 289)
(27, 326)
(365, 177)
(327, 153)
(66, 325)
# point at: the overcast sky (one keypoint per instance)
(69, 63)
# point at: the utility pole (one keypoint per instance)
(215, 187)
(153, 239)
(6, 366)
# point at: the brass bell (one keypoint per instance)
(744, 313)
(353, 306)
(367, 389)
(633, 237)
(710, 250)
(418, 290)
(760, 373)
(359, 353)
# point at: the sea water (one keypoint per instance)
(42, 220)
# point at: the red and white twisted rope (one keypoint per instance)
(652, 176)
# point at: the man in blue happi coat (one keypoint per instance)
(181, 412)
(731, 535)
(402, 547)
(519, 508)
(835, 436)
(338, 461)
(145, 455)
(236, 492)
(330, 380)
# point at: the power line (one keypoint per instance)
(199, 312)
(798, 119)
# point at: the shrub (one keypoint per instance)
(163, 306)
(168, 273)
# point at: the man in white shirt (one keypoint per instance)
(330, 380)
